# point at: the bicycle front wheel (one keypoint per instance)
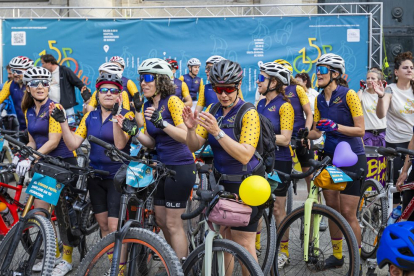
(319, 247)
(372, 216)
(266, 242)
(37, 231)
(236, 262)
(149, 252)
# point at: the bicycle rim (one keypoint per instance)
(320, 245)
(149, 252)
(266, 242)
(372, 219)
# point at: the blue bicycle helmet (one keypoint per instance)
(397, 246)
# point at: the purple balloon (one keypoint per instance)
(344, 156)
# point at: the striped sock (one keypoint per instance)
(67, 253)
(284, 247)
(337, 248)
(110, 256)
(122, 267)
(359, 249)
(57, 250)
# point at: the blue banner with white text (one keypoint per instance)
(84, 45)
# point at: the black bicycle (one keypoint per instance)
(144, 252)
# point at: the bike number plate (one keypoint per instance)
(1, 142)
(337, 175)
(139, 175)
(274, 176)
(45, 188)
(135, 149)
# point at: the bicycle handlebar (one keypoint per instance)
(388, 152)
(405, 151)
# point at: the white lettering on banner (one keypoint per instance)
(258, 50)
(110, 35)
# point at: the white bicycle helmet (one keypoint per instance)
(118, 59)
(36, 73)
(110, 68)
(21, 62)
(156, 66)
(214, 59)
(194, 62)
(332, 60)
(276, 70)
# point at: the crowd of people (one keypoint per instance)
(174, 115)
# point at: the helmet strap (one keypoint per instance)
(268, 89)
(191, 71)
(330, 81)
(156, 90)
(232, 104)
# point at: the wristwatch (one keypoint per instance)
(220, 135)
(164, 124)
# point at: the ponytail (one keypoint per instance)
(293, 81)
(342, 82)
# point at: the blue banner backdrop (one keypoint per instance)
(84, 45)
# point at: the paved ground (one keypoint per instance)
(298, 201)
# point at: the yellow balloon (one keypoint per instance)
(254, 190)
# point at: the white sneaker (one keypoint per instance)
(62, 269)
(38, 267)
(108, 272)
(282, 260)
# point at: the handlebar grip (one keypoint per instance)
(387, 151)
(314, 165)
(195, 213)
(284, 175)
(93, 139)
(14, 141)
(405, 151)
(172, 172)
(10, 132)
(101, 172)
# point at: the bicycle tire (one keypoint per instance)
(376, 217)
(289, 199)
(48, 246)
(318, 259)
(196, 258)
(137, 236)
(270, 240)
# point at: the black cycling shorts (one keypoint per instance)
(354, 188)
(104, 197)
(285, 167)
(408, 195)
(174, 191)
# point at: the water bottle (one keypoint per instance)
(5, 213)
(396, 213)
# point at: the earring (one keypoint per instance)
(396, 77)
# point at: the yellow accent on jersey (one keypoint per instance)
(303, 98)
(125, 100)
(132, 88)
(201, 131)
(287, 116)
(54, 126)
(317, 114)
(181, 78)
(145, 123)
(184, 90)
(354, 103)
(82, 131)
(5, 92)
(250, 132)
(176, 106)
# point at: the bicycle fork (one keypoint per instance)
(307, 221)
(208, 257)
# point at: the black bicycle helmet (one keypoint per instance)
(226, 72)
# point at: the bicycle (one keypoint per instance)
(146, 251)
(375, 205)
(23, 245)
(209, 257)
(307, 245)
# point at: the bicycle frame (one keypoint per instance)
(14, 207)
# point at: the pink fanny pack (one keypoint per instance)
(231, 213)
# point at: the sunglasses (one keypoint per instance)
(35, 83)
(17, 72)
(261, 78)
(147, 78)
(227, 90)
(105, 90)
(323, 70)
(208, 68)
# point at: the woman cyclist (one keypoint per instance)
(277, 108)
(338, 112)
(104, 197)
(303, 116)
(396, 102)
(127, 84)
(165, 130)
(233, 158)
(181, 88)
(374, 127)
(45, 135)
